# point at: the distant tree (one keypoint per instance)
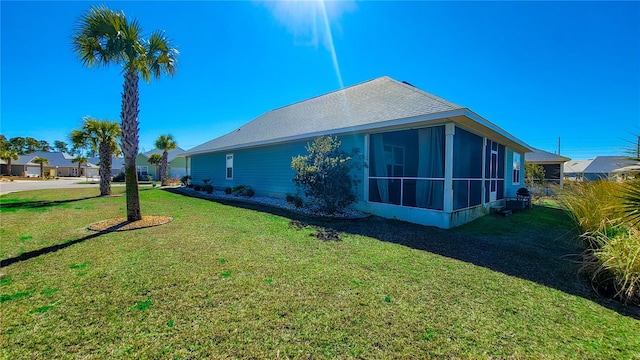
(104, 37)
(100, 135)
(533, 174)
(43, 145)
(155, 159)
(61, 146)
(42, 161)
(28, 145)
(80, 160)
(325, 174)
(165, 143)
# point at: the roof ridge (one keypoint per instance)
(434, 97)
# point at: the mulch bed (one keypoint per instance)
(121, 224)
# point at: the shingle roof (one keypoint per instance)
(55, 159)
(375, 101)
(600, 165)
(543, 156)
(116, 162)
(171, 154)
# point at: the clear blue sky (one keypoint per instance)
(539, 70)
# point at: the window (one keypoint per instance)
(406, 168)
(516, 168)
(229, 166)
(143, 171)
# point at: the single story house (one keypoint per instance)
(552, 164)
(177, 164)
(60, 164)
(426, 159)
(117, 164)
(601, 168)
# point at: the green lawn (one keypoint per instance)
(225, 281)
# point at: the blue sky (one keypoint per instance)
(539, 70)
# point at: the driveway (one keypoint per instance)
(62, 183)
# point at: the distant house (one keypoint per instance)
(117, 164)
(601, 168)
(177, 164)
(427, 160)
(552, 164)
(59, 165)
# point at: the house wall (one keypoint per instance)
(267, 169)
(510, 188)
(177, 167)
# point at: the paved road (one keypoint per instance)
(63, 183)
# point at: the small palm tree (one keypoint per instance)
(101, 136)
(42, 161)
(104, 37)
(165, 143)
(155, 159)
(80, 160)
(9, 154)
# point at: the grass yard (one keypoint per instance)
(225, 281)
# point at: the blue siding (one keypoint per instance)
(267, 169)
(510, 188)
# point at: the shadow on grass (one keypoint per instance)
(537, 245)
(7, 206)
(54, 248)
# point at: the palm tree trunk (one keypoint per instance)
(163, 167)
(129, 116)
(105, 169)
(41, 171)
(9, 166)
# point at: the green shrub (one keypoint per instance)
(614, 264)
(197, 187)
(242, 190)
(294, 199)
(612, 255)
(325, 174)
(594, 206)
(208, 188)
(228, 190)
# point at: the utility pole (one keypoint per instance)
(559, 144)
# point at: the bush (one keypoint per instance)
(242, 190)
(612, 255)
(228, 191)
(208, 188)
(295, 200)
(186, 180)
(119, 177)
(325, 174)
(197, 187)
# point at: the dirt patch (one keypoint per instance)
(121, 224)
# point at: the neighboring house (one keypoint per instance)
(177, 164)
(117, 164)
(59, 165)
(426, 160)
(601, 168)
(552, 164)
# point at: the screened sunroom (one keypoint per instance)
(443, 168)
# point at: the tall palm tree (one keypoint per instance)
(165, 143)
(103, 37)
(80, 160)
(155, 159)
(101, 136)
(42, 161)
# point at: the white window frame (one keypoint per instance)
(229, 163)
(517, 168)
